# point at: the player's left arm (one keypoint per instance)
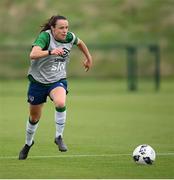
(88, 61)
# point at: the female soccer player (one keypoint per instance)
(47, 75)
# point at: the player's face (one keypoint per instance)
(60, 30)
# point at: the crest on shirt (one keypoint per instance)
(65, 52)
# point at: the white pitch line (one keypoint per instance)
(80, 155)
(166, 154)
(67, 156)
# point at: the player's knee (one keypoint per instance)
(60, 103)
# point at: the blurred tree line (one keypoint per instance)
(135, 22)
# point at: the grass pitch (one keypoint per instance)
(105, 123)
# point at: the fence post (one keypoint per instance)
(132, 67)
(156, 50)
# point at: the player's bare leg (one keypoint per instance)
(58, 96)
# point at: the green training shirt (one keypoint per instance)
(51, 68)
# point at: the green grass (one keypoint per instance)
(105, 123)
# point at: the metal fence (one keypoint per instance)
(110, 61)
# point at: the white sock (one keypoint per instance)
(60, 119)
(30, 132)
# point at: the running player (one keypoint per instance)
(47, 75)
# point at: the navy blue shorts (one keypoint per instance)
(38, 93)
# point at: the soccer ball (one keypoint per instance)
(144, 154)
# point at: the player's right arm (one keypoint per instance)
(37, 53)
(40, 47)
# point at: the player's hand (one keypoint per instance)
(57, 51)
(87, 64)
